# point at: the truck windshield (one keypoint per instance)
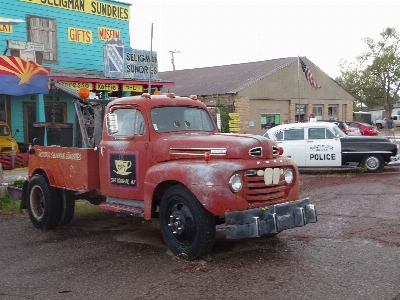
(181, 118)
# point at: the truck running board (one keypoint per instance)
(123, 209)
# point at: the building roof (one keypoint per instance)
(220, 80)
(97, 76)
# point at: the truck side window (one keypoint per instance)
(130, 122)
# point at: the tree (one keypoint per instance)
(375, 79)
(224, 111)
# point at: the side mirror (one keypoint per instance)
(16, 131)
(111, 123)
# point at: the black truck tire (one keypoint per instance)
(67, 202)
(373, 162)
(188, 229)
(43, 203)
(379, 125)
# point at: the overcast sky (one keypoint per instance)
(215, 33)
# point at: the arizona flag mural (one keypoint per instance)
(22, 77)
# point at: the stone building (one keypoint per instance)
(265, 93)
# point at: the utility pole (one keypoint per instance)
(172, 59)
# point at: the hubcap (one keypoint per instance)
(372, 163)
(37, 202)
(176, 224)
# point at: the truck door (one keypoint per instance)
(123, 151)
(323, 149)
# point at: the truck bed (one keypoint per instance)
(70, 168)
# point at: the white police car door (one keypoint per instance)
(323, 149)
(293, 144)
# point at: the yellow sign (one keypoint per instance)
(111, 87)
(78, 85)
(234, 129)
(235, 121)
(234, 115)
(105, 34)
(92, 7)
(80, 35)
(132, 88)
(6, 28)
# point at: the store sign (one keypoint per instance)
(110, 87)
(104, 34)
(234, 122)
(93, 7)
(132, 88)
(21, 45)
(77, 85)
(6, 28)
(80, 35)
(124, 62)
(300, 109)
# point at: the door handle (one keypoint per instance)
(102, 149)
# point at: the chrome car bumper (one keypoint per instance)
(272, 219)
(394, 160)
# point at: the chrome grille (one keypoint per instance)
(258, 193)
(256, 152)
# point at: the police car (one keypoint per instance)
(323, 144)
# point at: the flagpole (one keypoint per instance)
(298, 86)
(151, 58)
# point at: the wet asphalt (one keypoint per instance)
(352, 252)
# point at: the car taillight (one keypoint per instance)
(280, 150)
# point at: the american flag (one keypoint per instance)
(309, 75)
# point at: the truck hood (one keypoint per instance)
(214, 146)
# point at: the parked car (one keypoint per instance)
(324, 144)
(7, 142)
(365, 128)
(344, 127)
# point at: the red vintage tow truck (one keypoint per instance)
(161, 156)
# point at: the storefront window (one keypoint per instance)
(317, 111)
(3, 111)
(333, 112)
(270, 120)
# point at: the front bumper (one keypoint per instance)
(272, 219)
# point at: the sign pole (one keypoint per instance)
(298, 87)
(151, 58)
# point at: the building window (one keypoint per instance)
(333, 112)
(270, 120)
(44, 31)
(3, 110)
(317, 111)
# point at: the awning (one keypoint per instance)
(22, 77)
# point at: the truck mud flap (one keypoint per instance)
(272, 219)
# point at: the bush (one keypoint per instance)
(11, 205)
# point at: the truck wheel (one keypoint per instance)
(67, 207)
(43, 203)
(188, 229)
(374, 163)
(379, 125)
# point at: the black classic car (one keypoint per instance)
(323, 144)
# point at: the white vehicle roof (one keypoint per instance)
(271, 132)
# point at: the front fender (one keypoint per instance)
(208, 181)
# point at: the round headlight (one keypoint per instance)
(236, 183)
(288, 176)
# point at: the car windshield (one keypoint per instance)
(181, 118)
(4, 130)
(339, 132)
